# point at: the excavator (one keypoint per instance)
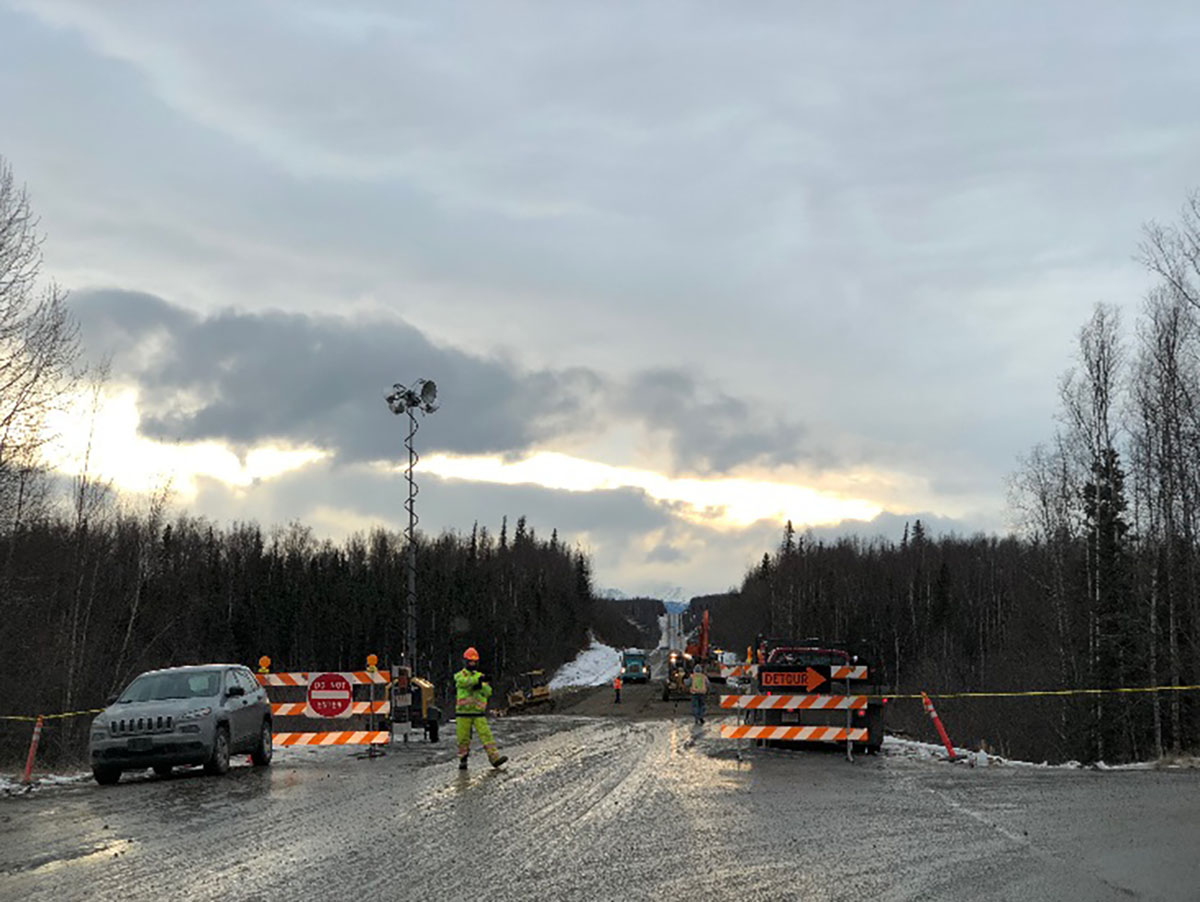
(702, 651)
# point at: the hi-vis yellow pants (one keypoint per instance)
(463, 725)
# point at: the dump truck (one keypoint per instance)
(635, 666)
(815, 685)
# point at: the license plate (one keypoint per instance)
(139, 744)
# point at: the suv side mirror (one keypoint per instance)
(112, 699)
(234, 691)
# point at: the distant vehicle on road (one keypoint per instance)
(675, 685)
(635, 668)
(181, 716)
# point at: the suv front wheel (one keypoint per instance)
(218, 762)
(106, 776)
(261, 756)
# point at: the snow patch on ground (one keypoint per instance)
(596, 665)
(929, 751)
(13, 785)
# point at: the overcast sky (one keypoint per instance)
(680, 270)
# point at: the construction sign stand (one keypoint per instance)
(373, 750)
(775, 716)
(401, 702)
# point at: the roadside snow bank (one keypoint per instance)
(909, 748)
(14, 785)
(594, 666)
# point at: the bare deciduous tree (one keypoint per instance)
(38, 347)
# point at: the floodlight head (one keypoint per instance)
(429, 394)
(407, 400)
(398, 400)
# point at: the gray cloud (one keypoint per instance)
(665, 554)
(709, 430)
(248, 377)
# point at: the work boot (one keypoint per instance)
(462, 763)
(498, 760)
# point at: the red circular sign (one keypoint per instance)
(329, 695)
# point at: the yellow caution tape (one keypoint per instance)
(50, 716)
(1037, 692)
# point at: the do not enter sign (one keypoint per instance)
(329, 695)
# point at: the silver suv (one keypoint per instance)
(182, 715)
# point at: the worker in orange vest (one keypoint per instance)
(698, 688)
(617, 689)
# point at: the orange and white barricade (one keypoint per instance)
(795, 702)
(796, 734)
(328, 697)
(787, 707)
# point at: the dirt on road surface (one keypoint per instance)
(615, 807)
(639, 701)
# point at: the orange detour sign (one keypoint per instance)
(809, 680)
(330, 695)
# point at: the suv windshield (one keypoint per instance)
(152, 687)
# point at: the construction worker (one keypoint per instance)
(699, 687)
(617, 689)
(470, 710)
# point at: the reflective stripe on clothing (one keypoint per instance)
(470, 698)
(462, 731)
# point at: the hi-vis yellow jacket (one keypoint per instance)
(471, 693)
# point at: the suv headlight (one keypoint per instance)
(196, 713)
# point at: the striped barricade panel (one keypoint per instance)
(340, 737)
(739, 670)
(797, 734)
(848, 672)
(301, 709)
(795, 702)
(354, 677)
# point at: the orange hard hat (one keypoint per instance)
(471, 654)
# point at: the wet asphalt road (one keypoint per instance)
(594, 808)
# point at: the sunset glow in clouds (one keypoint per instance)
(140, 464)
